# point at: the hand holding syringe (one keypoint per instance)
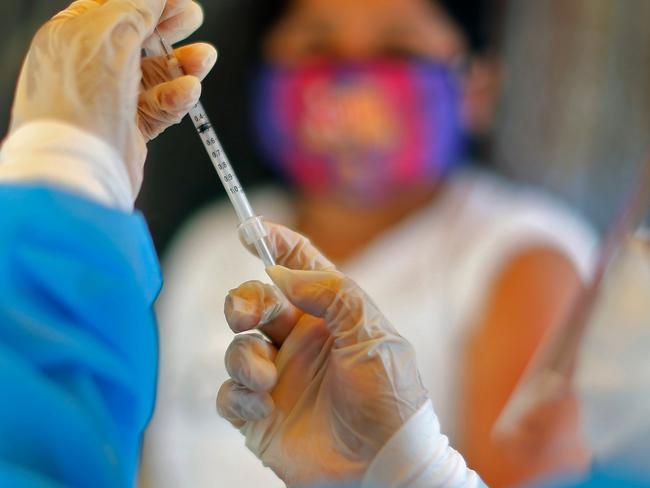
(251, 227)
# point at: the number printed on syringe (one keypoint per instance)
(251, 226)
(204, 128)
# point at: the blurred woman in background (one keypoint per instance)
(367, 108)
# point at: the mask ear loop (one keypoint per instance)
(549, 374)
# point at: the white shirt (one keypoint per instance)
(430, 275)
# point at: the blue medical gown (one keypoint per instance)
(78, 346)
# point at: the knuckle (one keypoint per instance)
(244, 373)
(223, 398)
(235, 354)
(155, 70)
(242, 341)
(49, 35)
(124, 21)
(232, 350)
(125, 32)
(44, 32)
(253, 285)
(136, 12)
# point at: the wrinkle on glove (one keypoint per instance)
(78, 348)
(342, 381)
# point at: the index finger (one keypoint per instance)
(293, 250)
(172, 8)
(182, 24)
(257, 305)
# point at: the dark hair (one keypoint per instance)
(474, 17)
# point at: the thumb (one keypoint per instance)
(351, 317)
(311, 291)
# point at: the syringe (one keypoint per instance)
(251, 227)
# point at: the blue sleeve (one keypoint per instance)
(78, 346)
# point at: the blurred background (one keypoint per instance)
(573, 119)
(574, 116)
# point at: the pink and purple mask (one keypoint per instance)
(361, 131)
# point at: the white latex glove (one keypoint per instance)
(84, 67)
(336, 382)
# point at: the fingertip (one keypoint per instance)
(263, 375)
(271, 311)
(197, 59)
(275, 270)
(249, 361)
(172, 8)
(257, 406)
(240, 315)
(211, 56)
(178, 95)
(166, 104)
(279, 276)
(158, 8)
(197, 13)
(238, 404)
(190, 91)
(180, 26)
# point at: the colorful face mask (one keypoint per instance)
(360, 131)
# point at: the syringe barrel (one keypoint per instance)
(221, 163)
(252, 229)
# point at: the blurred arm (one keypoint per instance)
(531, 296)
(65, 156)
(77, 339)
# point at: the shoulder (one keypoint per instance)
(504, 231)
(501, 218)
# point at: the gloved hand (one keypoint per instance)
(319, 400)
(84, 67)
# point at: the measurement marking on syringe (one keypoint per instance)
(203, 128)
(255, 231)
